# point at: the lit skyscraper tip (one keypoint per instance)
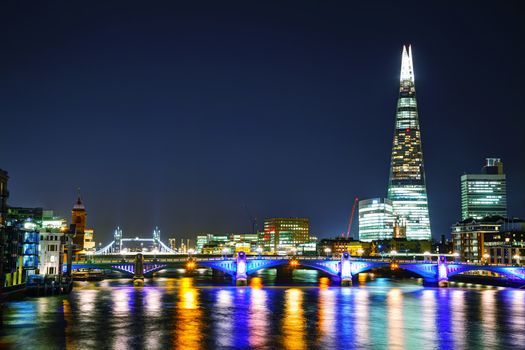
(407, 186)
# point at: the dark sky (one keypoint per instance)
(179, 115)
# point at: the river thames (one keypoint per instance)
(187, 313)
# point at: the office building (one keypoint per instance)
(282, 235)
(376, 219)
(407, 186)
(484, 194)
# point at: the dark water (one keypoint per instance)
(185, 314)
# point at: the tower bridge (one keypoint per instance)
(116, 246)
(343, 269)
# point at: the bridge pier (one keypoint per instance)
(345, 270)
(138, 276)
(442, 271)
(241, 277)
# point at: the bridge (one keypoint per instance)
(343, 270)
(115, 247)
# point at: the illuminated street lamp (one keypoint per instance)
(327, 251)
(517, 257)
(225, 252)
(456, 256)
(426, 255)
(393, 252)
(293, 250)
(191, 252)
(486, 257)
(360, 252)
(259, 251)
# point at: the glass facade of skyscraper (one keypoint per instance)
(284, 234)
(407, 187)
(484, 194)
(376, 219)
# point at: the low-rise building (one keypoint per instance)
(340, 245)
(468, 237)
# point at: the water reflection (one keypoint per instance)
(361, 305)
(223, 317)
(258, 322)
(457, 309)
(517, 320)
(121, 320)
(327, 317)
(188, 318)
(428, 320)
(173, 313)
(489, 323)
(395, 319)
(293, 322)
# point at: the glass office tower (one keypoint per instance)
(407, 187)
(484, 194)
(376, 219)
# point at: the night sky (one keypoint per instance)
(180, 115)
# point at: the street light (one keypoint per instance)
(327, 251)
(426, 255)
(486, 257)
(360, 252)
(293, 250)
(393, 252)
(517, 257)
(225, 252)
(259, 251)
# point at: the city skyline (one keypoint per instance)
(279, 120)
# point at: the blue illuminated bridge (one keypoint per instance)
(434, 269)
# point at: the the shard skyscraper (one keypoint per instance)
(407, 188)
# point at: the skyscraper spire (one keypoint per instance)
(407, 186)
(407, 67)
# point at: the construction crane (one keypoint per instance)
(351, 220)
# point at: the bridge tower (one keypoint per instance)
(138, 277)
(345, 271)
(156, 238)
(442, 271)
(241, 277)
(117, 237)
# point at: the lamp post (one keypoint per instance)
(327, 251)
(517, 257)
(259, 251)
(426, 255)
(486, 258)
(360, 252)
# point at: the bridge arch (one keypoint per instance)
(513, 272)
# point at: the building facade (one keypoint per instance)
(376, 219)
(51, 244)
(484, 194)
(4, 194)
(79, 218)
(468, 237)
(407, 186)
(282, 235)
